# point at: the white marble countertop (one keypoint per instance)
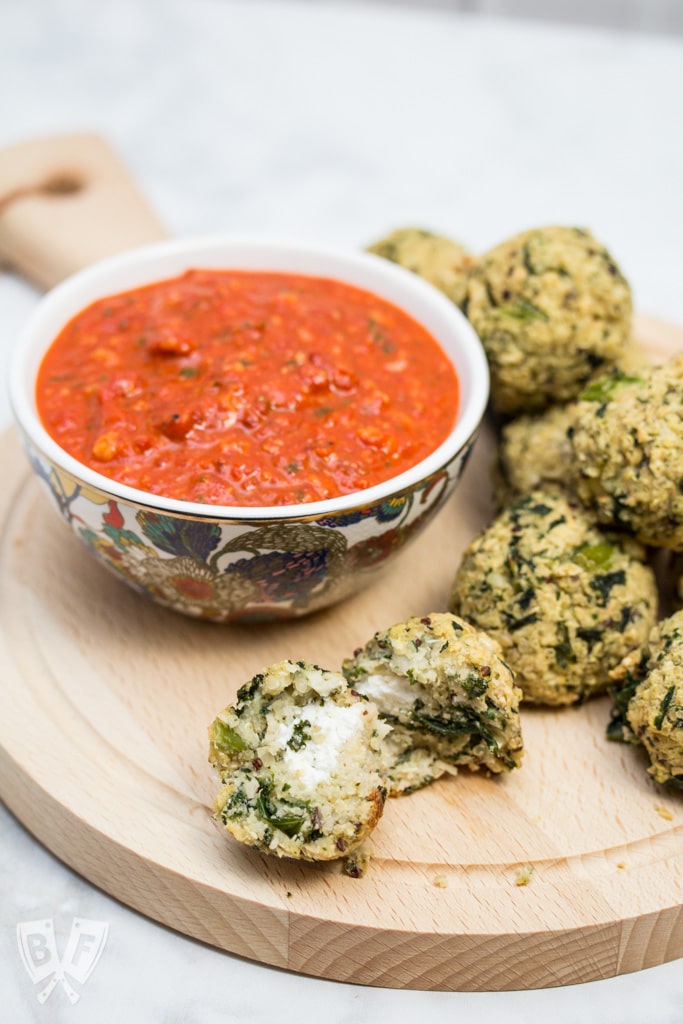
(335, 123)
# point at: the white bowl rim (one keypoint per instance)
(149, 263)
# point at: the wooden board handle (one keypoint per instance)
(66, 202)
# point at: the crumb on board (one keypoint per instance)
(289, 895)
(664, 812)
(440, 881)
(356, 864)
(523, 875)
(621, 864)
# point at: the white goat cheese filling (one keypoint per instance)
(391, 693)
(330, 728)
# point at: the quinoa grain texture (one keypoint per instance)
(439, 260)
(654, 712)
(550, 307)
(566, 602)
(627, 453)
(449, 698)
(299, 757)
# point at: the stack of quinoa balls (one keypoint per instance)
(588, 482)
(554, 602)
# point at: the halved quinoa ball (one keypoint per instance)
(649, 708)
(566, 602)
(439, 260)
(627, 452)
(299, 759)
(550, 306)
(448, 696)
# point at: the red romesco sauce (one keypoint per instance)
(247, 388)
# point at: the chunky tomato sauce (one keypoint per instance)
(247, 388)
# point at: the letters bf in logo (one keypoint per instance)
(39, 956)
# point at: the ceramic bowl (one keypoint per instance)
(230, 563)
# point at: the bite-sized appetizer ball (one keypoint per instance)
(550, 306)
(533, 451)
(536, 449)
(439, 260)
(627, 451)
(649, 708)
(566, 602)
(299, 758)
(449, 698)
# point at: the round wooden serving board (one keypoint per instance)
(106, 700)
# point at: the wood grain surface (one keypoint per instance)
(65, 202)
(103, 756)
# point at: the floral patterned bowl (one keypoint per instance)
(229, 563)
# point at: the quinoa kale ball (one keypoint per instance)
(566, 602)
(299, 759)
(536, 449)
(533, 451)
(627, 452)
(649, 708)
(550, 306)
(437, 259)
(449, 698)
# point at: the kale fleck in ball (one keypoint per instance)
(439, 260)
(627, 452)
(550, 307)
(449, 698)
(649, 708)
(566, 602)
(299, 758)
